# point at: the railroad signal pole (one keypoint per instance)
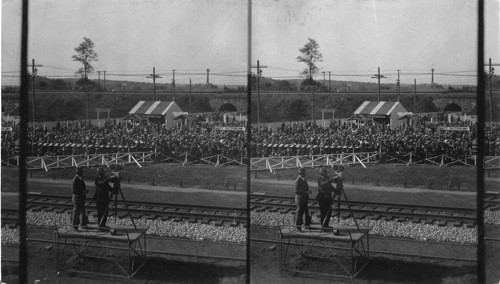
(378, 76)
(259, 74)
(33, 75)
(154, 76)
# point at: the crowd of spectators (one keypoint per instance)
(201, 139)
(421, 139)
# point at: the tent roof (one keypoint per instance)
(151, 108)
(379, 108)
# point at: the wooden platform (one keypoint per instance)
(344, 249)
(101, 244)
(115, 233)
(337, 233)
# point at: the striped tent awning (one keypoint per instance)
(378, 108)
(151, 108)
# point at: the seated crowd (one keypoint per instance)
(199, 138)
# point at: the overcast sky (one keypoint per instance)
(355, 37)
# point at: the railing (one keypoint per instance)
(89, 160)
(215, 160)
(290, 162)
(256, 164)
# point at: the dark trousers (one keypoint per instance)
(102, 212)
(78, 216)
(301, 213)
(325, 211)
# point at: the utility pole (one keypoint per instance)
(432, 78)
(190, 104)
(33, 75)
(324, 78)
(208, 73)
(104, 80)
(415, 97)
(173, 84)
(490, 76)
(329, 85)
(312, 103)
(259, 74)
(398, 85)
(99, 76)
(154, 76)
(378, 76)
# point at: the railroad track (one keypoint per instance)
(138, 209)
(374, 210)
(492, 200)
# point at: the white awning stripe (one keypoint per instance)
(167, 108)
(152, 107)
(361, 107)
(137, 106)
(392, 108)
(375, 110)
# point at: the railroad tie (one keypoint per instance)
(415, 220)
(442, 223)
(35, 208)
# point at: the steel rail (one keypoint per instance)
(151, 209)
(406, 211)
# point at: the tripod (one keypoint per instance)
(340, 187)
(117, 187)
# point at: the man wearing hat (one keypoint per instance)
(101, 196)
(302, 198)
(325, 197)
(79, 190)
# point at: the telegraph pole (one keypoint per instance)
(99, 77)
(432, 78)
(415, 97)
(190, 104)
(259, 74)
(329, 85)
(104, 80)
(490, 76)
(173, 84)
(154, 76)
(398, 85)
(208, 73)
(324, 78)
(33, 75)
(378, 76)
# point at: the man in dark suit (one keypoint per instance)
(325, 197)
(102, 197)
(79, 190)
(302, 198)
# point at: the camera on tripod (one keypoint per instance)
(115, 169)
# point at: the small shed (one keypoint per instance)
(160, 111)
(383, 112)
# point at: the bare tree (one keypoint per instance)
(310, 55)
(85, 54)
